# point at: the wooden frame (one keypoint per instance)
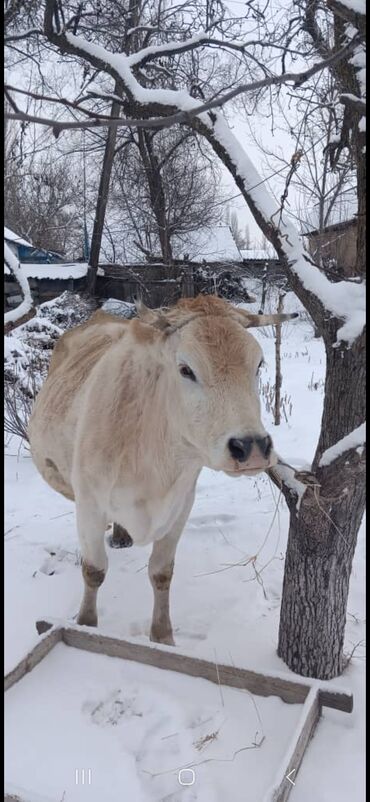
(310, 693)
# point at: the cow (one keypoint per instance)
(130, 413)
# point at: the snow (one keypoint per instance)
(121, 308)
(12, 237)
(350, 441)
(80, 710)
(55, 271)
(15, 267)
(154, 50)
(213, 244)
(255, 253)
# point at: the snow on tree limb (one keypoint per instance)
(14, 266)
(348, 443)
(344, 300)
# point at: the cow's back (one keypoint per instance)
(52, 425)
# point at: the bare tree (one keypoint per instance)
(165, 188)
(42, 203)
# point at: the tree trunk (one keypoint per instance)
(157, 197)
(101, 204)
(323, 531)
(278, 376)
(316, 579)
(264, 290)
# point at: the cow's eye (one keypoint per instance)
(260, 364)
(187, 373)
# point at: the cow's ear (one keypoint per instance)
(253, 321)
(152, 317)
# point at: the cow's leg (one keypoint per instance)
(161, 565)
(91, 529)
(160, 574)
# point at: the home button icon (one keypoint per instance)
(186, 777)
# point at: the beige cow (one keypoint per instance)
(130, 413)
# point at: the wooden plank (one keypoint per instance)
(286, 777)
(259, 684)
(164, 657)
(336, 699)
(42, 648)
(18, 794)
(13, 798)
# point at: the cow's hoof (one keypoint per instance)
(43, 626)
(87, 620)
(156, 636)
(120, 538)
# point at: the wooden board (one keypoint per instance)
(286, 778)
(33, 657)
(259, 684)
(310, 694)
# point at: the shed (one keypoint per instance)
(28, 253)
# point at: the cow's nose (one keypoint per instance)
(240, 448)
(264, 445)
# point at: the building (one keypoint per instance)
(27, 253)
(335, 246)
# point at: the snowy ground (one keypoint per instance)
(128, 722)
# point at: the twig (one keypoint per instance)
(255, 745)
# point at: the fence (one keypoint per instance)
(148, 282)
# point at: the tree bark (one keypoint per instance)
(157, 196)
(323, 529)
(102, 200)
(128, 45)
(321, 544)
(278, 376)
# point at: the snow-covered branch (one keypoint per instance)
(355, 439)
(344, 300)
(15, 315)
(356, 102)
(174, 106)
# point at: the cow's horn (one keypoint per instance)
(253, 321)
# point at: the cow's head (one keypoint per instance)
(212, 365)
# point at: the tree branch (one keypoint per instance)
(354, 102)
(171, 115)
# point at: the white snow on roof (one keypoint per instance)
(214, 244)
(257, 253)
(56, 271)
(12, 237)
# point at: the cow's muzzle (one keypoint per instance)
(243, 449)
